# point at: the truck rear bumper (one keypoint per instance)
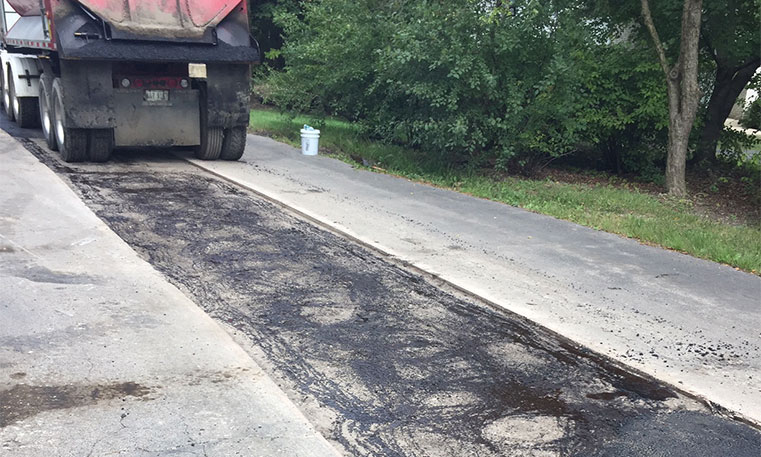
(144, 123)
(161, 52)
(92, 102)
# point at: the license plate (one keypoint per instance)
(156, 96)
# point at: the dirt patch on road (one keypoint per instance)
(23, 401)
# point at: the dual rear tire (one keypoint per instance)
(234, 143)
(46, 113)
(73, 144)
(218, 143)
(23, 110)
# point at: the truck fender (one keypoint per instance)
(26, 73)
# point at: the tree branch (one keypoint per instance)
(648, 18)
(754, 62)
(710, 47)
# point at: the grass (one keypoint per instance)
(643, 216)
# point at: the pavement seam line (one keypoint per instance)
(20, 247)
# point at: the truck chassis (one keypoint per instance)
(93, 86)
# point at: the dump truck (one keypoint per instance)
(99, 74)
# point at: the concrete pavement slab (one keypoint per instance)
(99, 355)
(689, 322)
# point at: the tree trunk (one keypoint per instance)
(676, 160)
(683, 90)
(728, 85)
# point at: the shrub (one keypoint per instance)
(752, 116)
(466, 82)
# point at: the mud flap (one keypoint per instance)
(228, 90)
(88, 95)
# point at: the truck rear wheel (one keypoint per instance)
(2, 88)
(7, 94)
(46, 113)
(101, 144)
(24, 108)
(27, 112)
(211, 144)
(72, 143)
(234, 143)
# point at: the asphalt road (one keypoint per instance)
(381, 360)
(675, 317)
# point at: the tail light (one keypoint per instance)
(161, 82)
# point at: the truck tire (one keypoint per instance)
(211, 144)
(25, 110)
(2, 88)
(7, 94)
(27, 114)
(46, 113)
(234, 143)
(72, 143)
(101, 144)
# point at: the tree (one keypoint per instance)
(730, 37)
(682, 87)
(266, 30)
(482, 84)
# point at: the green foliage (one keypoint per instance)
(330, 55)
(752, 115)
(267, 31)
(730, 30)
(471, 84)
(729, 41)
(626, 109)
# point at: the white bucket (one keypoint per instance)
(310, 142)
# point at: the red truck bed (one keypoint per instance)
(26, 7)
(155, 17)
(137, 30)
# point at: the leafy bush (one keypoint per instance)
(752, 115)
(476, 83)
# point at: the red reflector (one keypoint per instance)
(161, 82)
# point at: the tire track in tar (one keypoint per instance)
(380, 360)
